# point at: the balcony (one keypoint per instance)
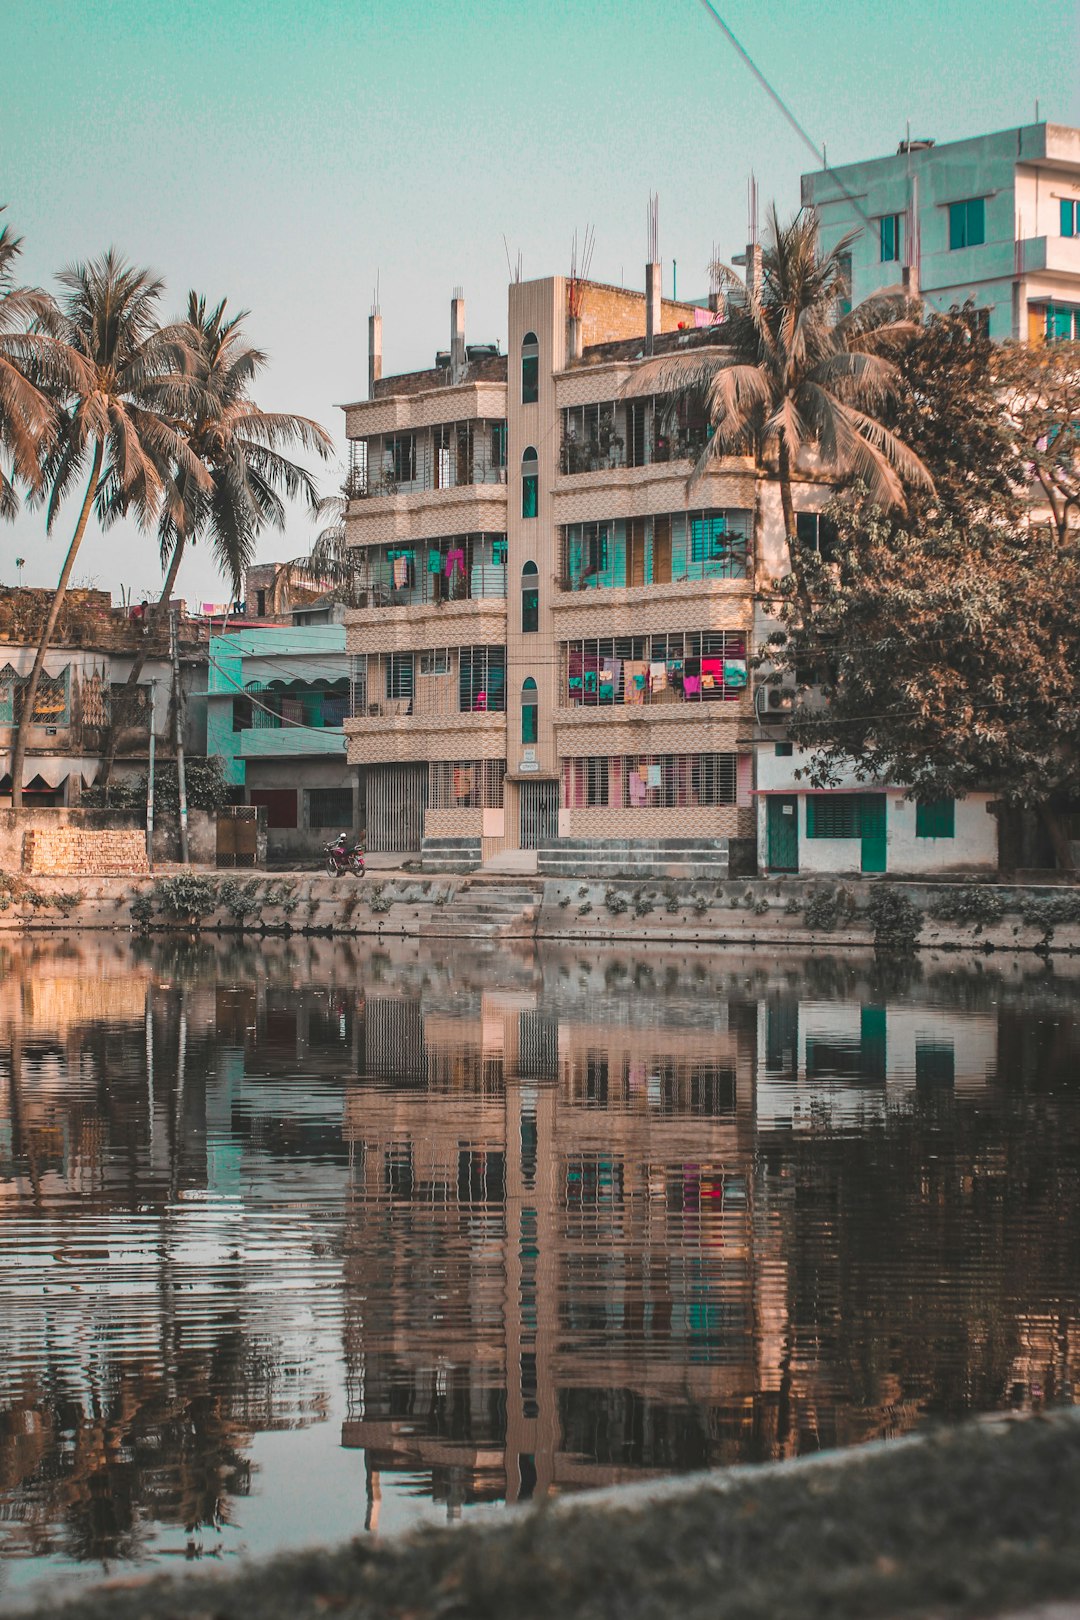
(452, 455)
(629, 433)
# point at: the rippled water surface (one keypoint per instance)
(300, 1240)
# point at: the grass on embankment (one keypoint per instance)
(980, 1520)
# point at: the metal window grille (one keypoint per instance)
(685, 667)
(455, 568)
(358, 684)
(399, 675)
(650, 781)
(664, 548)
(466, 784)
(446, 456)
(330, 807)
(482, 679)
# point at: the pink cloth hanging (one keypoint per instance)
(455, 563)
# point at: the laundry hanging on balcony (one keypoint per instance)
(455, 563)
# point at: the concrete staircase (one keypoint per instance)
(705, 858)
(450, 854)
(486, 911)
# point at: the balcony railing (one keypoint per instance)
(662, 550)
(708, 666)
(436, 683)
(449, 456)
(629, 433)
(462, 568)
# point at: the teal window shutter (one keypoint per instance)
(1068, 217)
(811, 829)
(936, 818)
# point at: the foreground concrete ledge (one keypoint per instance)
(979, 1520)
(770, 912)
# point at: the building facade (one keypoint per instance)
(554, 650)
(995, 218)
(276, 701)
(85, 671)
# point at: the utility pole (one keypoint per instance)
(178, 714)
(150, 783)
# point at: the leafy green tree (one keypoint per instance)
(124, 374)
(794, 376)
(242, 473)
(951, 640)
(1040, 388)
(954, 659)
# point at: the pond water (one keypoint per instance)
(301, 1240)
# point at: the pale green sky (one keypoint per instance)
(285, 152)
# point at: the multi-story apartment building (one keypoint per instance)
(995, 218)
(554, 652)
(276, 700)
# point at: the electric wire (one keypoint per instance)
(775, 97)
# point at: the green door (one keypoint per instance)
(872, 829)
(783, 830)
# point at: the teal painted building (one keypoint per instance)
(277, 697)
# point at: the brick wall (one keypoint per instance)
(81, 852)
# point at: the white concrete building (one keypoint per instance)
(860, 828)
(995, 218)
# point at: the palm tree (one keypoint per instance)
(793, 377)
(243, 473)
(125, 372)
(27, 415)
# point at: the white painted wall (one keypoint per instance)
(973, 849)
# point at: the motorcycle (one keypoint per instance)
(340, 858)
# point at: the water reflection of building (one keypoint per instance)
(576, 1217)
(565, 1193)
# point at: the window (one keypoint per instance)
(403, 457)
(784, 750)
(890, 237)
(399, 675)
(833, 815)
(436, 662)
(329, 807)
(455, 784)
(529, 711)
(650, 781)
(816, 532)
(530, 482)
(1070, 217)
(967, 223)
(498, 444)
(936, 818)
(1054, 323)
(279, 803)
(482, 680)
(586, 782)
(242, 714)
(530, 598)
(530, 369)
(844, 289)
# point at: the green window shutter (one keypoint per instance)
(811, 817)
(1068, 217)
(976, 222)
(936, 819)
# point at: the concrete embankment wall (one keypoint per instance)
(977, 1520)
(790, 912)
